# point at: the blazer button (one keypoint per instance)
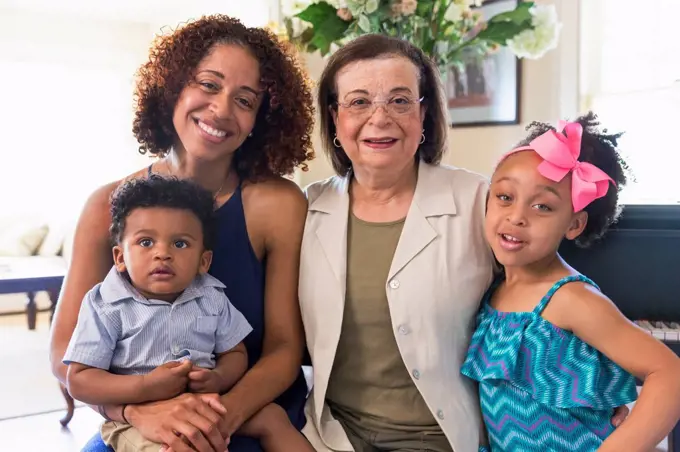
(416, 374)
(403, 329)
(440, 414)
(394, 284)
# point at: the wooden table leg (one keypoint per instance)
(54, 296)
(31, 310)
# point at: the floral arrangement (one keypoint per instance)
(447, 30)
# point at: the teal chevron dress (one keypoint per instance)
(542, 388)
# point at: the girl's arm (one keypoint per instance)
(596, 320)
(279, 213)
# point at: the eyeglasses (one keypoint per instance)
(395, 106)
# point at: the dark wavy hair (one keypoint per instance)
(600, 148)
(373, 46)
(281, 138)
(163, 191)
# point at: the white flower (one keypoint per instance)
(454, 12)
(533, 44)
(358, 7)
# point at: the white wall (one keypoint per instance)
(67, 85)
(549, 92)
(67, 107)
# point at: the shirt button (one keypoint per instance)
(440, 414)
(394, 284)
(416, 374)
(175, 350)
(403, 329)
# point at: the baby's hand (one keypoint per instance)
(205, 380)
(166, 381)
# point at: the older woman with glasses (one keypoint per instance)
(394, 262)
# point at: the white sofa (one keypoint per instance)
(25, 237)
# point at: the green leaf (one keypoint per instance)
(307, 35)
(501, 32)
(327, 26)
(317, 13)
(424, 8)
(384, 13)
(519, 15)
(364, 23)
(376, 22)
(329, 32)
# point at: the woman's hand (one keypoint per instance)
(187, 423)
(620, 415)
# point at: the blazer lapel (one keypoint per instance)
(415, 236)
(331, 210)
(333, 204)
(433, 197)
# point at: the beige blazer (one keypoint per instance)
(439, 273)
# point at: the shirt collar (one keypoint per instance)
(116, 288)
(434, 193)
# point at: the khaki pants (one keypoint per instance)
(125, 438)
(394, 441)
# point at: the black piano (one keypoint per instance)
(637, 265)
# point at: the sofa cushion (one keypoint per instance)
(21, 237)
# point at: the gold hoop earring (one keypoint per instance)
(422, 138)
(336, 142)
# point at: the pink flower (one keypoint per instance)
(344, 14)
(408, 7)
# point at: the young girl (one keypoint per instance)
(552, 354)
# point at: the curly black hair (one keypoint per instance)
(163, 191)
(281, 139)
(600, 148)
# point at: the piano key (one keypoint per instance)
(670, 333)
(645, 325)
(664, 331)
(674, 335)
(659, 330)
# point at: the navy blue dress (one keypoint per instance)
(236, 265)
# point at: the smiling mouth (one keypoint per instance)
(380, 140)
(217, 133)
(510, 238)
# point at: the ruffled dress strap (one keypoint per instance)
(552, 365)
(566, 280)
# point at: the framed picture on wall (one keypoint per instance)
(486, 91)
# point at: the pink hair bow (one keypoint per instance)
(560, 152)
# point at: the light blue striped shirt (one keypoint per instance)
(121, 331)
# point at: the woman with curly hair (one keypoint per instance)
(228, 107)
